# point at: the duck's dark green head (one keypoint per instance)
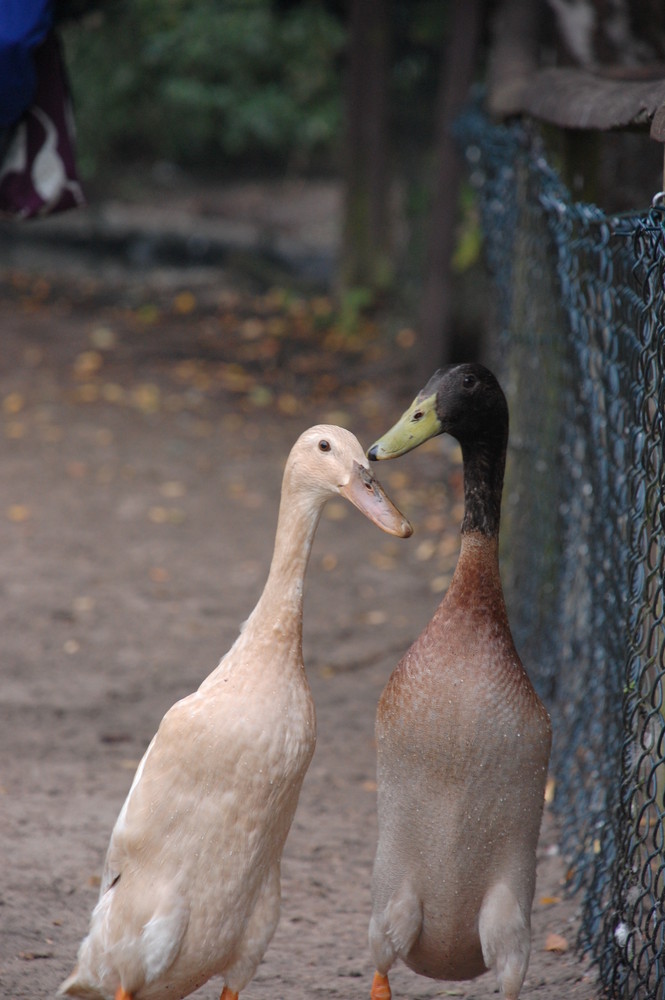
(464, 400)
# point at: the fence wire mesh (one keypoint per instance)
(580, 343)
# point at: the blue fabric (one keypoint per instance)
(24, 24)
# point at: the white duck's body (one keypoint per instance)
(191, 885)
(218, 896)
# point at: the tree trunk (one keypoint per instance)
(459, 60)
(366, 253)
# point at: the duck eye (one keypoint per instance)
(418, 415)
(469, 381)
(324, 445)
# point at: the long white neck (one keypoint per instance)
(280, 606)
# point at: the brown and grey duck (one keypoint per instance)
(463, 740)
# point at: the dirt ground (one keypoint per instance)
(146, 419)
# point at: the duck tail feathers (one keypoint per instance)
(75, 986)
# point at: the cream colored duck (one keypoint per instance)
(191, 884)
(463, 740)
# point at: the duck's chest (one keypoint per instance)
(460, 689)
(268, 723)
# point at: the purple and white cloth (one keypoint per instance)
(38, 173)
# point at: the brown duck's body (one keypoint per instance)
(463, 745)
(463, 740)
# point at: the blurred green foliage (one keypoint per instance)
(205, 83)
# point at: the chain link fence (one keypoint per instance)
(580, 347)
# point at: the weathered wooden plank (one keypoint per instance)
(608, 97)
(576, 98)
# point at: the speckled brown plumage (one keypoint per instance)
(462, 741)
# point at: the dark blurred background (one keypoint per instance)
(174, 94)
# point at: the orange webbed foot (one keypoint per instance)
(228, 994)
(380, 987)
(122, 994)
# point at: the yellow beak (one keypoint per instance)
(417, 424)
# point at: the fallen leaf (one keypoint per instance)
(260, 396)
(166, 515)
(187, 370)
(335, 511)
(457, 513)
(87, 363)
(112, 392)
(237, 488)
(406, 337)
(556, 944)
(13, 403)
(440, 583)
(397, 480)
(184, 303)
(234, 378)
(18, 513)
(83, 604)
(288, 404)
(147, 397)
(158, 515)
(382, 560)
(376, 617)
(102, 338)
(88, 393)
(252, 328)
(437, 523)
(173, 489)
(147, 314)
(449, 545)
(339, 417)
(549, 900)
(426, 550)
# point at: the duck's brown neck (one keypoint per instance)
(484, 464)
(476, 582)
